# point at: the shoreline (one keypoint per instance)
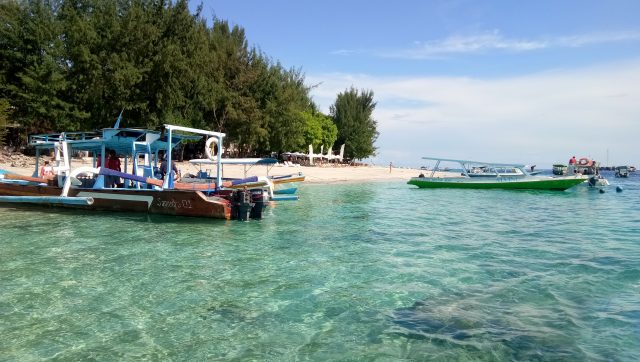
(322, 174)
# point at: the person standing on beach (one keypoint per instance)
(390, 166)
(164, 169)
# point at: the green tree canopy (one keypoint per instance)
(35, 71)
(4, 119)
(70, 65)
(320, 130)
(352, 113)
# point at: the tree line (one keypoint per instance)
(70, 65)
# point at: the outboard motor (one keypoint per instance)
(241, 205)
(260, 203)
(592, 181)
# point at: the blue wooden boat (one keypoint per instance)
(85, 187)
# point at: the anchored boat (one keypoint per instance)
(589, 167)
(281, 187)
(622, 171)
(93, 187)
(517, 179)
(559, 169)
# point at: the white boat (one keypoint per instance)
(559, 169)
(622, 171)
(494, 171)
(597, 181)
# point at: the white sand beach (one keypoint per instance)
(323, 174)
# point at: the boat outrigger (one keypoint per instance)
(517, 179)
(87, 187)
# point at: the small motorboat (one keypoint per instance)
(622, 171)
(597, 181)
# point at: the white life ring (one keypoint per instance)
(208, 150)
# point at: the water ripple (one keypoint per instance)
(350, 272)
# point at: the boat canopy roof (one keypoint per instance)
(236, 161)
(119, 139)
(462, 162)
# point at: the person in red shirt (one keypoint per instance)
(572, 161)
(47, 170)
(113, 163)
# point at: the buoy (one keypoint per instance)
(209, 149)
(602, 191)
(618, 189)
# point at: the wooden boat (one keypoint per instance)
(85, 188)
(274, 185)
(519, 181)
(168, 202)
(287, 184)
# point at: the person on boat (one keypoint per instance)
(174, 168)
(573, 160)
(113, 163)
(47, 170)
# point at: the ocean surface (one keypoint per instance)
(377, 271)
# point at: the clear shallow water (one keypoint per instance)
(381, 271)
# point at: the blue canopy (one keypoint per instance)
(119, 139)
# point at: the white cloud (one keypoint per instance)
(596, 38)
(539, 118)
(345, 52)
(494, 41)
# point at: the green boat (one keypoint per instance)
(518, 179)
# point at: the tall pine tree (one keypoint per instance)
(353, 115)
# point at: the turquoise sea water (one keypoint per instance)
(380, 271)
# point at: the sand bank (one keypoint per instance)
(324, 174)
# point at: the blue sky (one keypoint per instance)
(505, 81)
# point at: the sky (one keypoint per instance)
(532, 82)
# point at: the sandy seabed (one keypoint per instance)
(321, 174)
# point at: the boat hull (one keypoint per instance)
(287, 191)
(166, 202)
(288, 179)
(555, 184)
